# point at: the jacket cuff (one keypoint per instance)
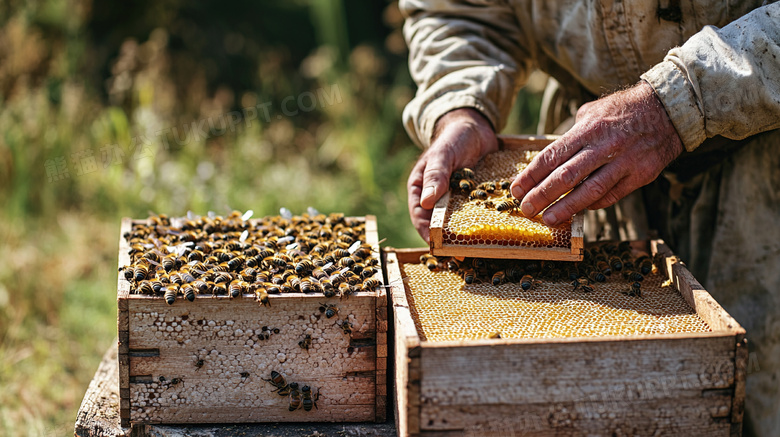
(446, 103)
(679, 99)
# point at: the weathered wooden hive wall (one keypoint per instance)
(208, 361)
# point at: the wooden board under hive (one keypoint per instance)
(208, 361)
(476, 227)
(672, 365)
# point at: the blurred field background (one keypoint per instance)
(85, 90)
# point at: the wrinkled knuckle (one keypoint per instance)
(568, 176)
(549, 158)
(597, 189)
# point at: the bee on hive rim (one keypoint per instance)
(189, 292)
(296, 399)
(495, 335)
(305, 343)
(469, 276)
(219, 289)
(145, 287)
(308, 400)
(371, 284)
(171, 291)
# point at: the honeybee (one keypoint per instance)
(140, 271)
(346, 327)
(223, 277)
(508, 205)
(634, 291)
(171, 291)
(430, 261)
(469, 276)
(616, 263)
(632, 276)
(199, 364)
(504, 184)
(489, 186)
(261, 295)
(145, 287)
(277, 380)
(195, 255)
(219, 289)
(329, 309)
(346, 261)
(645, 264)
(604, 268)
(371, 284)
(466, 185)
(295, 397)
(345, 290)
(305, 344)
(308, 400)
(478, 195)
(367, 272)
(189, 292)
(128, 273)
(237, 288)
(499, 277)
(340, 253)
(495, 335)
(453, 265)
(582, 284)
(304, 267)
(526, 282)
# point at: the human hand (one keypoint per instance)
(619, 143)
(461, 137)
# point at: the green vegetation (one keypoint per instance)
(93, 89)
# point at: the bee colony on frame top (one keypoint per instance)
(613, 291)
(234, 256)
(481, 210)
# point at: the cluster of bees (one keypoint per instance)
(599, 263)
(299, 397)
(491, 194)
(231, 256)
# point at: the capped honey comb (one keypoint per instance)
(477, 222)
(444, 308)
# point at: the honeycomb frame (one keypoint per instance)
(564, 243)
(500, 386)
(212, 348)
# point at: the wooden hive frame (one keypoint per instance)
(439, 247)
(352, 381)
(613, 385)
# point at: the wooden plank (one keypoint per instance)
(98, 415)
(738, 404)
(488, 251)
(530, 142)
(407, 343)
(616, 415)
(693, 292)
(436, 231)
(123, 321)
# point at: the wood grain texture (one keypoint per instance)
(665, 384)
(99, 417)
(439, 215)
(204, 361)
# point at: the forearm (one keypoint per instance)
(723, 81)
(461, 56)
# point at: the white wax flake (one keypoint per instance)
(244, 236)
(355, 246)
(247, 215)
(312, 212)
(285, 213)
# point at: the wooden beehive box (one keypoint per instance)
(656, 384)
(204, 362)
(453, 217)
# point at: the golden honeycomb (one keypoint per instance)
(479, 222)
(444, 308)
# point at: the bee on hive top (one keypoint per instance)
(296, 398)
(308, 400)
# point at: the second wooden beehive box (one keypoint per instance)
(210, 360)
(654, 384)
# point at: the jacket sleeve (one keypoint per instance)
(462, 53)
(723, 81)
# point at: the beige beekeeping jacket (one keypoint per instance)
(714, 64)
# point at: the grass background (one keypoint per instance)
(80, 77)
